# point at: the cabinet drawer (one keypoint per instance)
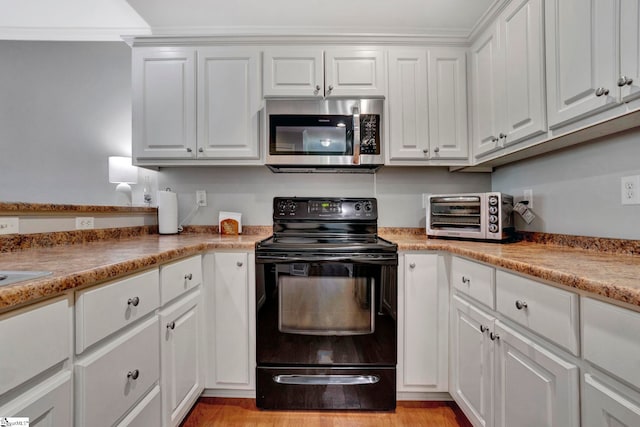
(104, 388)
(548, 311)
(34, 339)
(179, 277)
(605, 406)
(103, 310)
(610, 335)
(473, 279)
(146, 413)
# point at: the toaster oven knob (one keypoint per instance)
(493, 219)
(493, 228)
(493, 201)
(493, 210)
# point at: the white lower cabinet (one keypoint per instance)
(230, 302)
(533, 386)
(422, 324)
(471, 361)
(180, 351)
(112, 379)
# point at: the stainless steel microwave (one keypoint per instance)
(327, 135)
(482, 216)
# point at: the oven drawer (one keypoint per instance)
(326, 388)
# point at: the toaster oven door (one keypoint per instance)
(456, 216)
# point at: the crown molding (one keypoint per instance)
(70, 33)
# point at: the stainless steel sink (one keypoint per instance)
(10, 277)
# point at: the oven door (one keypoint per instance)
(320, 310)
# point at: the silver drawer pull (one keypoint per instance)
(466, 280)
(483, 328)
(188, 276)
(412, 265)
(171, 325)
(239, 263)
(133, 374)
(133, 301)
(494, 336)
(521, 304)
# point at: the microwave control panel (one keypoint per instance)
(369, 134)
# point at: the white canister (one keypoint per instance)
(167, 212)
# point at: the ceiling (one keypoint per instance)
(110, 19)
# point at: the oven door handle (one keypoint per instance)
(360, 259)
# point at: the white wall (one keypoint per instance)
(577, 191)
(250, 190)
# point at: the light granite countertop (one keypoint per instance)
(609, 276)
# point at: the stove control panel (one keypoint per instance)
(320, 208)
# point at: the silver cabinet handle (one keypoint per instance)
(494, 139)
(200, 150)
(188, 276)
(602, 91)
(624, 80)
(494, 336)
(436, 150)
(133, 374)
(483, 328)
(189, 150)
(466, 280)
(521, 304)
(502, 135)
(133, 301)
(329, 89)
(412, 265)
(425, 151)
(239, 263)
(171, 325)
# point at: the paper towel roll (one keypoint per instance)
(167, 212)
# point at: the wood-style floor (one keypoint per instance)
(214, 411)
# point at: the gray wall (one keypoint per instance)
(577, 191)
(64, 108)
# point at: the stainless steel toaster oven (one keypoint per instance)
(482, 216)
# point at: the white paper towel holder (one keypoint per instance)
(167, 212)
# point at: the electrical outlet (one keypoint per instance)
(9, 225)
(84, 223)
(629, 190)
(425, 199)
(201, 198)
(527, 195)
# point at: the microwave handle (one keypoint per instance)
(356, 135)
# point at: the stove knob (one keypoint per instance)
(357, 207)
(368, 207)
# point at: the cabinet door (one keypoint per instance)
(295, 72)
(581, 57)
(180, 348)
(605, 407)
(447, 77)
(408, 110)
(522, 73)
(355, 72)
(471, 361)
(232, 356)
(484, 93)
(422, 349)
(534, 387)
(164, 103)
(228, 103)
(630, 48)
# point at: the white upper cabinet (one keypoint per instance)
(292, 72)
(427, 104)
(164, 103)
(229, 102)
(581, 58)
(629, 79)
(507, 72)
